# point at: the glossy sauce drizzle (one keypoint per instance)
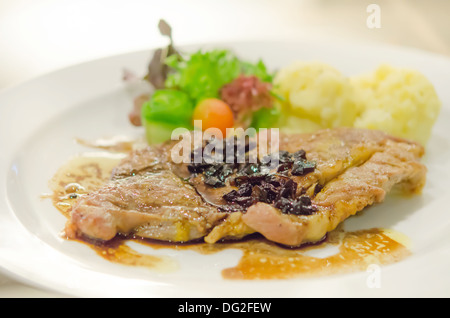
(261, 259)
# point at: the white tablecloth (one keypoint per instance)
(38, 36)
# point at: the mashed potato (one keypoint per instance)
(398, 101)
(317, 93)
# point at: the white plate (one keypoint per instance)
(40, 118)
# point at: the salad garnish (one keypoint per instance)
(214, 86)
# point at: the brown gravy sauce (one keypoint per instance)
(261, 259)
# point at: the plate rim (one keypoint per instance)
(15, 88)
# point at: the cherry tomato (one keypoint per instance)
(214, 113)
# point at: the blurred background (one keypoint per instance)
(40, 36)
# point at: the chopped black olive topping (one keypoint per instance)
(269, 189)
(296, 163)
(318, 187)
(301, 167)
(299, 206)
(260, 181)
(216, 173)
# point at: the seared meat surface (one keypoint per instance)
(158, 205)
(350, 192)
(151, 196)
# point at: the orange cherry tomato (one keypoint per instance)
(214, 113)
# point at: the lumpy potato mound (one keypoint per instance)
(317, 94)
(398, 101)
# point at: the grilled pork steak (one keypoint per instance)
(350, 192)
(322, 179)
(158, 205)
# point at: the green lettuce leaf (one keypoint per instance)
(203, 74)
(169, 106)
